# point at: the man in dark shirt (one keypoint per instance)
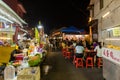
(14, 52)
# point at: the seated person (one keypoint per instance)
(14, 53)
(79, 50)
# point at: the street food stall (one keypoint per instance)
(111, 53)
(75, 36)
(27, 67)
(74, 33)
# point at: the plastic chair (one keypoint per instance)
(79, 62)
(89, 62)
(99, 62)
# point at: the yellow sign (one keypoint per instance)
(116, 31)
(37, 37)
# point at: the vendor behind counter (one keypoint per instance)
(14, 53)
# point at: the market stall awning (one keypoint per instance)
(7, 14)
(72, 29)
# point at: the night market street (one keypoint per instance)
(59, 39)
(63, 69)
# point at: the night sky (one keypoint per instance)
(55, 14)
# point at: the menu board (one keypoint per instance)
(116, 31)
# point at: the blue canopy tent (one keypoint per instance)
(82, 31)
(72, 29)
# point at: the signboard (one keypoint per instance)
(116, 31)
(111, 54)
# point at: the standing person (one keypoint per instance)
(84, 42)
(54, 44)
(94, 44)
(74, 44)
(51, 44)
(79, 50)
(98, 50)
(63, 44)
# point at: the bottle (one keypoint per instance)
(9, 72)
(25, 62)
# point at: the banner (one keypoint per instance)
(37, 35)
(111, 54)
(116, 31)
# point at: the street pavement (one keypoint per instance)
(56, 67)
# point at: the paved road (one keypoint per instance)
(60, 68)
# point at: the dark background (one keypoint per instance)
(55, 14)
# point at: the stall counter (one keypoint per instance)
(30, 73)
(111, 63)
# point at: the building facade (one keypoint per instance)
(11, 13)
(107, 14)
(16, 6)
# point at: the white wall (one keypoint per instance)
(111, 20)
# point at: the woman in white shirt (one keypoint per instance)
(79, 50)
(98, 50)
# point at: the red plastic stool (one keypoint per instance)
(89, 62)
(68, 55)
(79, 62)
(99, 62)
(64, 52)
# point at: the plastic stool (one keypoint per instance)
(79, 62)
(64, 52)
(89, 62)
(99, 62)
(68, 55)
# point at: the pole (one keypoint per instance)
(90, 33)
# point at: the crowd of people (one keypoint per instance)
(78, 47)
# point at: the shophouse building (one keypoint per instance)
(11, 19)
(106, 14)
